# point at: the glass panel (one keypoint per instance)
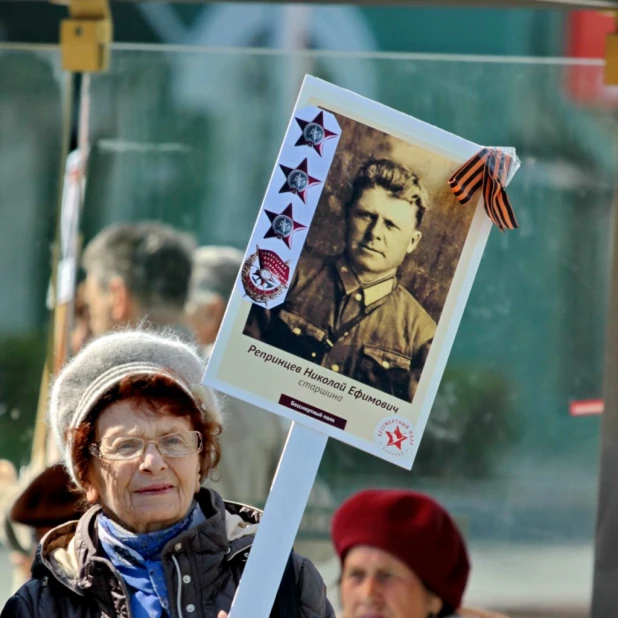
(31, 87)
(190, 137)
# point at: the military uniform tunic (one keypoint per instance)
(377, 334)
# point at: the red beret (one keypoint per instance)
(413, 528)
(48, 501)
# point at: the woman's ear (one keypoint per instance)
(92, 494)
(435, 604)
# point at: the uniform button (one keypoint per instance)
(178, 546)
(190, 608)
(345, 334)
(358, 296)
(386, 364)
(344, 269)
(186, 579)
(313, 354)
(335, 368)
(296, 331)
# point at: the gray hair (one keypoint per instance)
(214, 272)
(153, 259)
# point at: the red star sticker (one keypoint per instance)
(282, 225)
(395, 438)
(298, 180)
(314, 133)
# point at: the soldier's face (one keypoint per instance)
(381, 232)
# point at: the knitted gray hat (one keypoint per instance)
(104, 362)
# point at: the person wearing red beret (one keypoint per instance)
(402, 556)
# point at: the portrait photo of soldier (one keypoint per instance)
(360, 304)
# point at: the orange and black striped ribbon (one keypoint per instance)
(487, 169)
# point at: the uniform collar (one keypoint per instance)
(373, 292)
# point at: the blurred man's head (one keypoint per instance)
(214, 273)
(135, 272)
(383, 216)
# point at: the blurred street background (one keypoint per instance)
(185, 128)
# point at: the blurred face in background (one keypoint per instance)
(204, 317)
(109, 305)
(375, 584)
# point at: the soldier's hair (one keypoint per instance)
(398, 180)
(154, 261)
(215, 270)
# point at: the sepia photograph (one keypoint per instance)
(376, 268)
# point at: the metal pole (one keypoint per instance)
(605, 587)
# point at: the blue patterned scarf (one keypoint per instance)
(137, 557)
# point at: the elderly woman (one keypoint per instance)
(401, 557)
(138, 434)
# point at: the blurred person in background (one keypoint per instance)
(14, 538)
(253, 438)
(401, 556)
(137, 272)
(47, 501)
(215, 269)
(138, 434)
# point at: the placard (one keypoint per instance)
(355, 277)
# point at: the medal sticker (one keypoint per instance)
(314, 133)
(264, 276)
(298, 180)
(304, 162)
(283, 225)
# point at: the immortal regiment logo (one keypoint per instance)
(314, 133)
(264, 276)
(395, 435)
(282, 225)
(298, 180)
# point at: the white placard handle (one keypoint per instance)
(283, 512)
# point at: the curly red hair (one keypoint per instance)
(162, 396)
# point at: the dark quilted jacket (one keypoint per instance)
(72, 577)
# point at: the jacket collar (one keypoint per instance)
(373, 292)
(71, 551)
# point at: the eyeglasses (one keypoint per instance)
(117, 448)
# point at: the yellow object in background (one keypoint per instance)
(85, 37)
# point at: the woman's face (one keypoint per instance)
(375, 584)
(150, 492)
